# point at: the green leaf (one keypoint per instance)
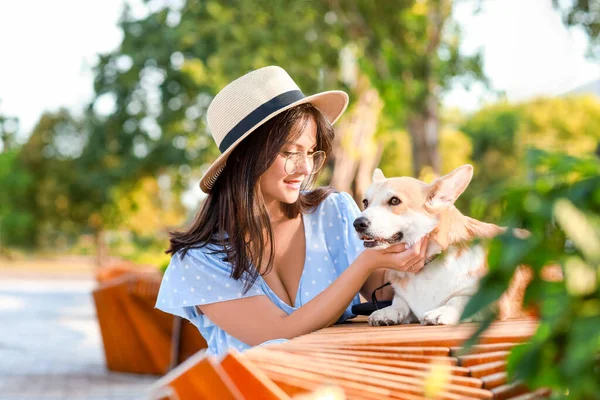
(484, 298)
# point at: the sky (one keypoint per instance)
(48, 49)
(527, 50)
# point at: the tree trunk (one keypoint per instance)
(355, 152)
(424, 132)
(423, 124)
(364, 175)
(101, 250)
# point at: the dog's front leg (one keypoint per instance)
(448, 314)
(398, 313)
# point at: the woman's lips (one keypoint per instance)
(294, 185)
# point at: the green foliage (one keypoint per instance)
(408, 49)
(584, 14)
(18, 224)
(455, 150)
(560, 206)
(8, 131)
(501, 135)
(58, 195)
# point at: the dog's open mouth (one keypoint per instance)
(369, 241)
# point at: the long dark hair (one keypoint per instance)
(234, 217)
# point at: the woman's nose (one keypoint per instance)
(305, 166)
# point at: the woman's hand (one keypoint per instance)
(398, 257)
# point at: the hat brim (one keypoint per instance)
(332, 104)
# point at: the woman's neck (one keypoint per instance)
(276, 212)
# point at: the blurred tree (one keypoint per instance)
(142, 213)
(50, 158)
(501, 135)
(18, 225)
(411, 52)
(586, 15)
(157, 85)
(455, 150)
(63, 195)
(147, 207)
(355, 152)
(8, 131)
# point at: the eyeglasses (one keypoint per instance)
(293, 161)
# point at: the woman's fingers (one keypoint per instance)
(398, 257)
(396, 248)
(413, 259)
(421, 257)
(417, 267)
(424, 244)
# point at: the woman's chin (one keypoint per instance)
(290, 197)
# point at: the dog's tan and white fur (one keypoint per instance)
(404, 210)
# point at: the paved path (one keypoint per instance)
(50, 344)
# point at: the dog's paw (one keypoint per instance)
(444, 315)
(386, 316)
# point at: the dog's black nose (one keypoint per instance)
(361, 224)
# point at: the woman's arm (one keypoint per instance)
(256, 319)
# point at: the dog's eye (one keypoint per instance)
(365, 203)
(394, 201)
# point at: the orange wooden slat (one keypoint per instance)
(250, 380)
(494, 380)
(305, 382)
(406, 384)
(198, 378)
(509, 390)
(482, 358)
(482, 348)
(420, 371)
(482, 370)
(375, 358)
(538, 394)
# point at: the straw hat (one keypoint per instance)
(251, 100)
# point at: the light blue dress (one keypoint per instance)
(203, 278)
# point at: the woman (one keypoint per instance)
(265, 258)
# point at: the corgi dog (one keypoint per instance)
(404, 210)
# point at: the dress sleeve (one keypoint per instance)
(349, 211)
(196, 279)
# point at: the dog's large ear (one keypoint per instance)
(446, 189)
(378, 175)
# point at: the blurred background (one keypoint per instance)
(103, 136)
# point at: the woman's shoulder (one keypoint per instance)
(337, 200)
(200, 256)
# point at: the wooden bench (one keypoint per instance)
(399, 362)
(137, 337)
